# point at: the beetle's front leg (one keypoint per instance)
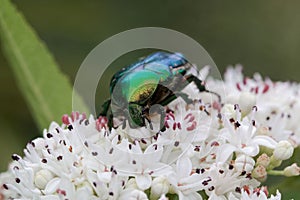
(106, 112)
(174, 96)
(185, 97)
(110, 122)
(104, 108)
(200, 86)
(145, 115)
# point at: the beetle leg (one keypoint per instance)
(106, 111)
(145, 115)
(185, 97)
(200, 86)
(104, 108)
(150, 123)
(110, 122)
(124, 124)
(162, 118)
(174, 96)
(126, 118)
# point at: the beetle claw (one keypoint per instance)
(124, 124)
(150, 123)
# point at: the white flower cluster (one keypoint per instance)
(207, 150)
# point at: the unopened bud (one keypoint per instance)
(135, 194)
(42, 177)
(263, 160)
(283, 150)
(228, 110)
(293, 170)
(259, 173)
(244, 163)
(131, 184)
(159, 187)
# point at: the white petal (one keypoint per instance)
(183, 167)
(133, 194)
(143, 181)
(265, 141)
(161, 169)
(104, 176)
(52, 186)
(251, 150)
(225, 152)
(190, 196)
(50, 197)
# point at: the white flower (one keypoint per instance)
(184, 181)
(219, 175)
(205, 153)
(258, 194)
(241, 137)
(59, 165)
(221, 149)
(142, 165)
(277, 102)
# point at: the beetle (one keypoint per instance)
(156, 79)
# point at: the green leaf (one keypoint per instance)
(47, 91)
(172, 196)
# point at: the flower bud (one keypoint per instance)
(133, 194)
(244, 163)
(259, 173)
(263, 160)
(292, 170)
(42, 177)
(228, 110)
(283, 150)
(159, 187)
(274, 163)
(131, 184)
(137, 194)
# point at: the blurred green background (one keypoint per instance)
(263, 36)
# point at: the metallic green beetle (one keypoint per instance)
(156, 79)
